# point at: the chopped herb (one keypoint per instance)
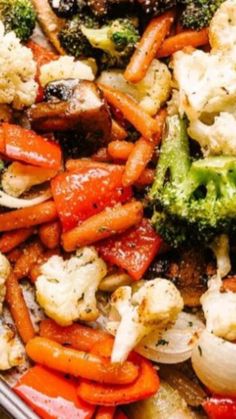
(162, 342)
(190, 324)
(200, 350)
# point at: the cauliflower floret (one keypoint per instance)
(222, 32)
(66, 288)
(11, 350)
(155, 305)
(17, 72)
(151, 92)
(220, 247)
(65, 68)
(220, 313)
(5, 269)
(222, 134)
(19, 178)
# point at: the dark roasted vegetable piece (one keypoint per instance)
(85, 111)
(18, 16)
(197, 14)
(156, 6)
(64, 8)
(60, 90)
(73, 40)
(194, 201)
(116, 40)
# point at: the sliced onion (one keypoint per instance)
(11, 202)
(174, 345)
(214, 362)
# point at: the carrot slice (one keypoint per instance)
(28, 217)
(118, 133)
(105, 224)
(105, 412)
(50, 234)
(120, 150)
(146, 178)
(8, 241)
(77, 336)
(144, 386)
(181, 40)
(18, 309)
(146, 50)
(131, 111)
(77, 363)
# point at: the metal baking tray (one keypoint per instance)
(13, 405)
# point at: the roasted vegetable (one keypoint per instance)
(197, 14)
(64, 8)
(18, 16)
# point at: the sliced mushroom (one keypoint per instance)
(84, 110)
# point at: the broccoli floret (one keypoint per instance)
(157, 6)
(18, 16)
(197, 14)
(73, 40)
(193, 200)
(116, 40)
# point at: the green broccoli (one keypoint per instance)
(18, 16)
(197, 14)
(193, 200)
(73, 40)
(116, 40)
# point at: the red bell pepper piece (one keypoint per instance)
(52, 396)
(133, 250)
(146, 385)
(83, 192)
(218, 407)
(42, 56)
(25, 145)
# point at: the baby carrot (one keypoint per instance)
(131, 111)
(148, 46)
(118, 133)
(120, 150)
(28, 217)
(18, 309)
(77, 363)
(49, 234)
(105, 412)
(8, 241)
(105, 224)
(30, 255)
(184, 39)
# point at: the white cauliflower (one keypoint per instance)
(17, 72)
(220, 313)
(66, 288)
(65, 67)
(5, 269)
(151, 92)
(11, 350)
(222, 32)
(19, 178)
(207, 85)
(155, 305)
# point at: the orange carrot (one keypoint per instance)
(28, 217)
(131, 111)
(14, 255)
(184, 39)
(50, 234)
(118, 133)
(105, 412)
(146, 178)
(120, 150)
(77, 363)
(103, 347)
(142, 153)
(8, 241)
(101, 155)
(152, 38)
(144, 386)
(30, 255)
(105, 224)
(77, 164)
(77, 336)
(18, 309)
(229, 284)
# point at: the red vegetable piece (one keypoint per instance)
(133, 250)
(51, 396)
(25, 145)
(81, 193)
(220, 408)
